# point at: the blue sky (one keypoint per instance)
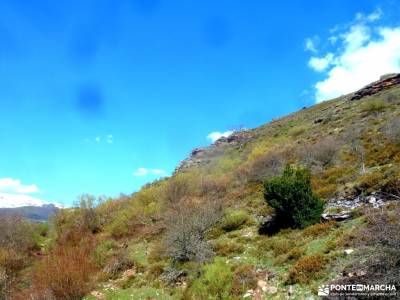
(103, 96)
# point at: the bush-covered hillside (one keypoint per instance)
(199, 234)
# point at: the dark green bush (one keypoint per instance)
(291, 196)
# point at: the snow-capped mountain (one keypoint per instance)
(27, 206)
(8, 200)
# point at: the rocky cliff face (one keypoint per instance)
(384, 83)
(204, 155)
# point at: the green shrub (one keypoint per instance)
(234, 220)
(17, 233)
(374, 106)
(104, 251)
(297, 131)
(280, 246)
(88, 218)
(120, 225)
(331, 245)
(138, 254)
(215, 281)
(292, 198)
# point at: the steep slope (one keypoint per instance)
(351, 145)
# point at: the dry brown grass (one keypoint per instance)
(321, 154)
(67, 273)
(319, 229)
(244, 278)
(265, 166)
(306, 268)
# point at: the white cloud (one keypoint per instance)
(110, 139)
(216, 135)
(376, 15)
(140, 172)
(10, 185)
(8, 200)
(364, 53)
(310, 44)
(372, 17)
(97, 139)
(13, 193)
(320, 64)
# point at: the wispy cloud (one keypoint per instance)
(10, 185)
(311, 44)
(140, 172)
(364, 51)
(216, 135)
(109, 139)
(320, 64)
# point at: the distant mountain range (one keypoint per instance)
(34, 213)
(27, 206)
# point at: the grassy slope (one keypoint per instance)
(135, 221)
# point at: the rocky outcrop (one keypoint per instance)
(338, 217)
(341, 209)
(384, 83)
(200, 156)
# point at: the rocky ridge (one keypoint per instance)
(384, 83)
(203, 155)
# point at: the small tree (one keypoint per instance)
(88, 217)
(186, 228)
(292, 198)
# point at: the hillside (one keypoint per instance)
(199, 234)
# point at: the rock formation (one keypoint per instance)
(204, 155)
(384, 83)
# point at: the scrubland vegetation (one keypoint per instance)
(195, 235)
